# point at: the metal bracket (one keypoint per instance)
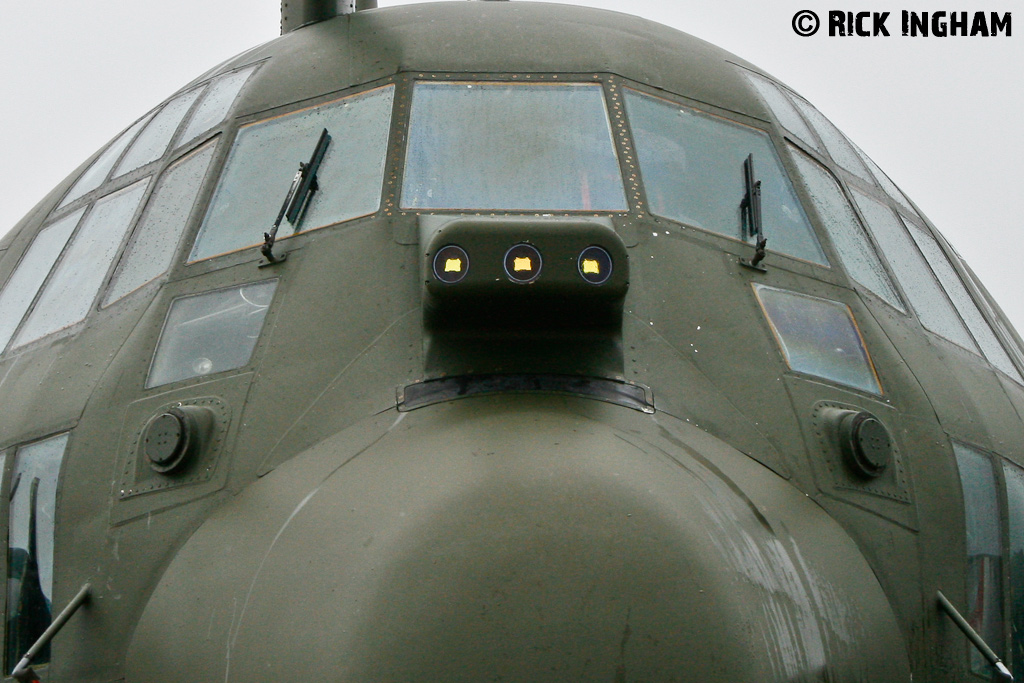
(759, 254)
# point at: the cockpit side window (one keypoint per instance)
(267, 154)
(851, 241)
(819, 337)
(1014, 476)
(211, 332)
(693, 171)
(30, 546)
(511, 147)
(984, 551)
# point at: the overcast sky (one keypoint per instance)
(942, 116)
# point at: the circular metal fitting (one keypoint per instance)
(865, 443)
(451, 264)
(172, 438)
(523, 263)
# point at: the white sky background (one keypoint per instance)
(942, 116)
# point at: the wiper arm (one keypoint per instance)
(750, 207)
(304, 184)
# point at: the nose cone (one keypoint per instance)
(520, 539)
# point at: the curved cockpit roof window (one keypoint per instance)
(693, 171)
(799, 116)
(963, 302)
(215, 105)
(150, 138)
(266, 156)
(840, 149)
(154, 140)
(511, 147)
(72, 288)
(28, 277)
(888, 185)
(96, 174)
(783, 109)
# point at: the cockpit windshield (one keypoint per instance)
(264, 159)
(511, 147)
(692, 167)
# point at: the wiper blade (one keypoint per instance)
(303, 186)
(750, 207)
(307, 180)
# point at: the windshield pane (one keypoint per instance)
(266, 156)
(692, 167)
(851, 242)
(156, 240)
(70, 293)
(511, 147)
(912, 272)
(21, 289)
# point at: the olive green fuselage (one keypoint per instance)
(408, 479)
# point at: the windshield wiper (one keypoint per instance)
(750, 208)
(303, 186)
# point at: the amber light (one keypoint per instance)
(523, 263)
(595, 265)
(451, 264)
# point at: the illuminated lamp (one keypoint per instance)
(523, 263)
(451, 264)
(595, 265)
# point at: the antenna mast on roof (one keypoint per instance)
(298, 13)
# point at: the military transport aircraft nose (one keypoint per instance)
(523, 538)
